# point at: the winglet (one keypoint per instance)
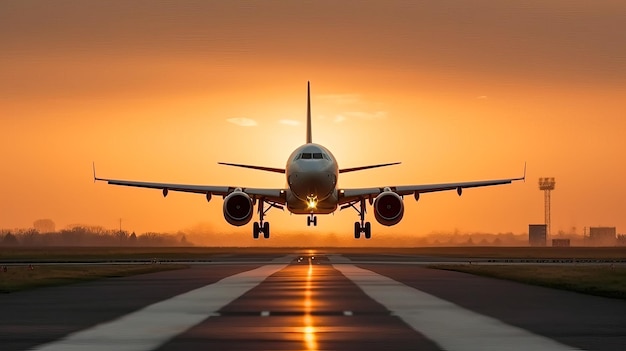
(93, 165)
(309, 139)
(522, 178)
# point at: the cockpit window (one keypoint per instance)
(312, 155)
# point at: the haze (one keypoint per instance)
(456, 90)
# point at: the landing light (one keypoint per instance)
(311, 202)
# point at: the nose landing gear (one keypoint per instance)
(312, 219)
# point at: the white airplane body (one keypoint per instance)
(312, 174)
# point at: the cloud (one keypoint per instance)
(242, 121)
(367, 115)
(339, 118)
(289, 122)
(342, 99)
(482, 97)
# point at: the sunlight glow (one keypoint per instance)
(309, 329)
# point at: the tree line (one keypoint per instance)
(89, 236)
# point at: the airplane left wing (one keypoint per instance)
(346, 170)
(350, 195)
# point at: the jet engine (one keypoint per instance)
(238, 208)
(388, 208)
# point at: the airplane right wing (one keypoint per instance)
(259, 168)
(276, 196)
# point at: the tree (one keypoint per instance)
(44, 225)
(10, 240)
(133, 239)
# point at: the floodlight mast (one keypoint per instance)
(547, 185)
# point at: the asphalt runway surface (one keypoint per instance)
(309, 301)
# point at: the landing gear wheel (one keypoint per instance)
(255, 230)
(357, 230)
(312, 219)
(266, 230)
(362, 226)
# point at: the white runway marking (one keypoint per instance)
(450, 326)
(154, 325)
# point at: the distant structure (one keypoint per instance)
(537, 235)
(603, 236)
(560, 242)
(547, 185)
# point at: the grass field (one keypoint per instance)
(600, 280)
(597, 280)
(195, 253)
(18, 278)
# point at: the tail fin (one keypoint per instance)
(309, 139)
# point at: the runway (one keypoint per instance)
(309, 301)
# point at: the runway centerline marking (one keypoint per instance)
(450, 326)
(153, 325)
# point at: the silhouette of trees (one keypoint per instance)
(9, 240)
(89, 236)
(132, 239)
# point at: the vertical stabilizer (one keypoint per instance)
(309, 139)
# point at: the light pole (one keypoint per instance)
(547, 185)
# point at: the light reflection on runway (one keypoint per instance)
(310, 340)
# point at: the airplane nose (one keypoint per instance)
(305, 184)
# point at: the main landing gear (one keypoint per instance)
(260, 226)
(361, 227)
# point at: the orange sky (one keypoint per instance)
(456, 90)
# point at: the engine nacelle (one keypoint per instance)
(238, 208)
(388, 208)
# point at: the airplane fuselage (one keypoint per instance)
(311, 173)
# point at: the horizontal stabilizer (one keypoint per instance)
(260, 168)
(345, 170)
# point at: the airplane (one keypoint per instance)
(312, 174)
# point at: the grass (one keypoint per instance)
(204, 253)
(599, 280)
(18, 278)
(125, 253)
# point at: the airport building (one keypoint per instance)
(602, 236)
(537, 234)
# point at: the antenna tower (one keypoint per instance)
(547, 185)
